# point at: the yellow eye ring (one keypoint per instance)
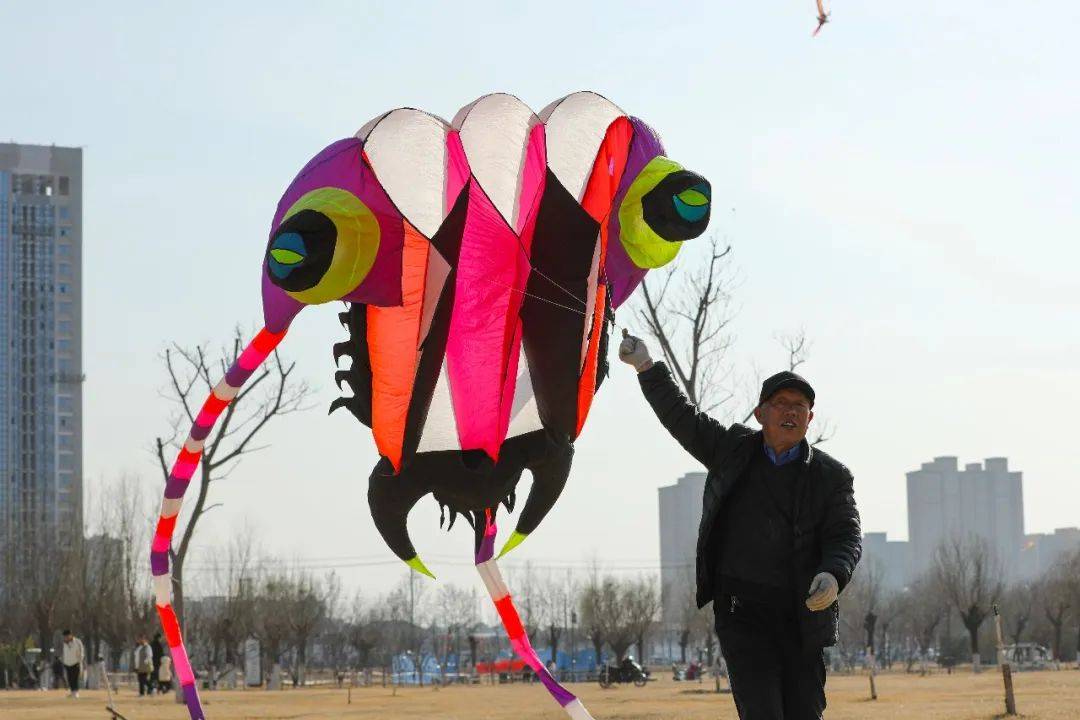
(355, 245)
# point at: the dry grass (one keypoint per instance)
(961, 696)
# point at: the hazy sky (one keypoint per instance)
(903, 187)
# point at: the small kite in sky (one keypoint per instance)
(822, 17)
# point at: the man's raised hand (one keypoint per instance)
(632, 351)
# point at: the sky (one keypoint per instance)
(901, 187)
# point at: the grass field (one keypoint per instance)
(961, 696)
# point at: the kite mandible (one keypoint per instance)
(480, 261)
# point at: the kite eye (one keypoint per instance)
(302, 250)
(663, 206)
(678, 207)
(324, 247)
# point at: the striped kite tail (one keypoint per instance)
(488, 568)
(179, 477)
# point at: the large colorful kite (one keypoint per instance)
(480, 261)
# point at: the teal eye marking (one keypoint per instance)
(693, 202)
(286, 254)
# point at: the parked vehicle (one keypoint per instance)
(625, 672)
(1028, 656)
(689, 672)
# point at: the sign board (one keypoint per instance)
(252, 669)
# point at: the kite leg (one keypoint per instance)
(519, 640)
(179, 477)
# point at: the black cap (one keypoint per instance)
(786, 379)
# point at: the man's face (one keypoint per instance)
(784, 418)
(68, 638)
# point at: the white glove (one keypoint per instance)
(823, 592)
(632, 351)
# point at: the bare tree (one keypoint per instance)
(863, 598)
(1017, 604)
(458, 614)
(273, 625)
(1072, 585)
(39, 588)
(894, 606)
(233, 577)
(689, 319)
(926, 608)
(599, 598)
(1056, 600)
(970, 577)
(310, 600)
(270, 393)
(641, 605)
(531, 605)
(364, 629)
(410, 605)
(694, 624)
(556, 599)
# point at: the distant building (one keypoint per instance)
(40, 349)
(1042, 550)
(893, 557)
(680, 514)
(984, 500)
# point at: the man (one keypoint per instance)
(73, 656)
(144, 667)
(779, 538)
(158, 651)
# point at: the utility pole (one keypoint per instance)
(869, 622)
(1006, 669)
(573, 644)
(412, 622)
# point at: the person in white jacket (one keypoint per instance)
(164, 677)
(144, 666)
(73, 656)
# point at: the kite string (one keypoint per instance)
(552, 281)
(529, 294)
(609, 316)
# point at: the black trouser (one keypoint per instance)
(145, 686)
(72, 672)
(773, 677)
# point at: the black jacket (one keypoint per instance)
(827, 536)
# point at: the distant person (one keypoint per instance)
(58, 680)
(144, 667)
(158, 652)
(73, 657)
(778, 540)
(164, 674)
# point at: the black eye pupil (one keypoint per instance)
(297, 266)
(662, 214)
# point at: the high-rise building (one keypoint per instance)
(680, 514)
(40, 349)
(983, 500)
(892, 559)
